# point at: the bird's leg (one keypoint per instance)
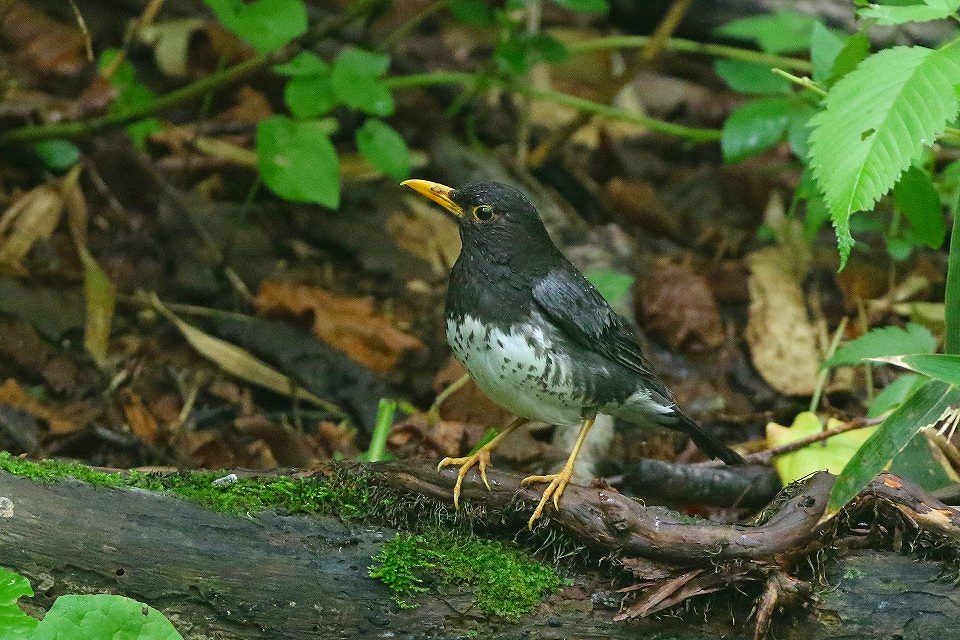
(480, 457)
(559, 481)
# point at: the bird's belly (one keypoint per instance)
(516, 368)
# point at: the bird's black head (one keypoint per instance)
(495, 220)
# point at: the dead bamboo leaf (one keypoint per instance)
(240, 362)
(783, 341)
(141, 421)
(349, 324)
(98, 292)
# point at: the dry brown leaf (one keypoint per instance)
(783, 341)
(349, 324)
(30, 218)
(422, 233)
(678, 307)
(13, 395)
(49, 46)
(142, 423)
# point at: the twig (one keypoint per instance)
(764, 457)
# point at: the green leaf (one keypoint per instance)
(309, 97)
(817, 216)
(754, 127)
(362, 63)
(877, 121)
(584, 6)
(825, 46)
(885, 341)
(942, 366)
(548, 48)
(386, 149)
(14, 623)
(920, 410)
(265, 24)
(779, 32)
(306, 63)
(918, 201)
(355, 83)
(922, 462)
(612, 285)
(473, 12)
(894, 394)
(951, 296)
(750, 77)
(888, 14)
(57, 155)
(297, 161)
(103, 617)
(899, 247)
(832, 454)
(798, 133)
(853, 53)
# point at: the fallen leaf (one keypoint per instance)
(49, 46)
(783, 342)
(30, 218)
(831, 454)
(677, 306)
(142, 423)
(349, 324)
(239, 362)
(12, 394)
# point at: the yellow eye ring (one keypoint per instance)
(483, 213)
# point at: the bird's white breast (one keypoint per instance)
(517, 369)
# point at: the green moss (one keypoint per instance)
(347, 496)
(506, 581)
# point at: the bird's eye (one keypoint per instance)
(483, 213)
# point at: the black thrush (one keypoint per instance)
(538, 338)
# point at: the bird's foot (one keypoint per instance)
(481, 459)
(558, 482)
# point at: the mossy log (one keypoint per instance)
(296, 576)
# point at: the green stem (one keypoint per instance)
(695, 134)
(951, 297)
(682, 45)
(33, 133)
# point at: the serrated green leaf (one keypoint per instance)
(920, 410)
(475, 12)
(888, 14)
(779, 32)
(877, 121)
(919, 202)
(14, 623)
(894, 394)
(754, 127)
(386, 149)
(885, 341)
(309, 97)
(355, 81)
(612, 285)
(584, 6)
(825, 46)
(306, 63)
(265, 24)
(750, 77)
(297, 161)
(100, 617)
(941, 366)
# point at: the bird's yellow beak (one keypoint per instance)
(436, 192)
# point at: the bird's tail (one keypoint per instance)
(707, 442)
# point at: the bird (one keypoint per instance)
(538, 338)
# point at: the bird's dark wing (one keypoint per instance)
(578, 309)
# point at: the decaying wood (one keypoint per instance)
(603, 519)
(275, 576)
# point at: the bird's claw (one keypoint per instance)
(558, 482)
(480, 459)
